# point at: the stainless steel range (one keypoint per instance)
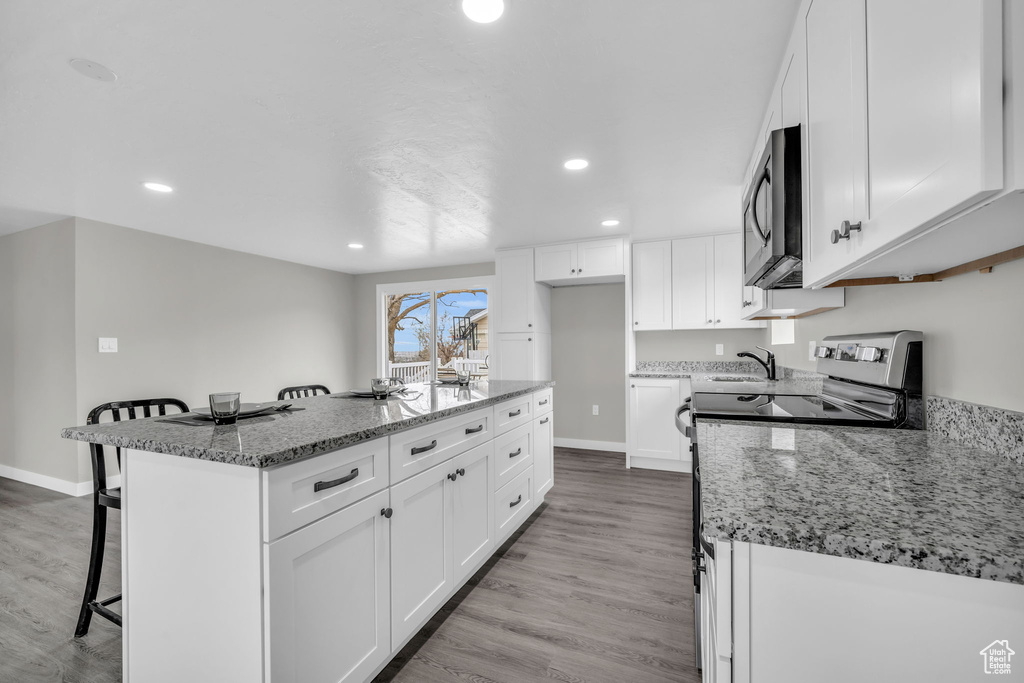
(872, 380)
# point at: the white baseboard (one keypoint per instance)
(69, 488)
(591, 445)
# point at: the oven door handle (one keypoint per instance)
(682, 424)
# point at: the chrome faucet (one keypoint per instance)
(768, 364)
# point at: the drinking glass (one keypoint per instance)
(381, 386)
(224, 408)
(462, 374)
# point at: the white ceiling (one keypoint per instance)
(290, 129)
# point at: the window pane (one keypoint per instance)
(462, 332)
(408, 336)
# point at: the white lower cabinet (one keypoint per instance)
(328, 616)
(653, 440)
(472, 510)
(513, 503)
(544, 454)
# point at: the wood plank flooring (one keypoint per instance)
(595, 588)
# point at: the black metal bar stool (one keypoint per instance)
(104, 497)
(304, 391)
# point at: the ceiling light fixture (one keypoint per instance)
(577, 164)
(483, 11)
(610, 223)
(92, 70)
(354, 245)
(157, 187)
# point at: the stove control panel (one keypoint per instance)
(869, 354)
(878, 358)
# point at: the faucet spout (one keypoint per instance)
(768, 364)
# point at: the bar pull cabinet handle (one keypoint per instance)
(545, 420)
(423, 449)
(517, 501)
(321, 485)
(543, 403)
(386, 513)
(519, 451)
(474, 430)
(515, 413)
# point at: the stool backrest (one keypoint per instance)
(304, 391)
(96, 415)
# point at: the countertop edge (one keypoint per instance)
(293, 454)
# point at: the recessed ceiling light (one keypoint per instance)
(610, 223)
(93, 70)
(577, 164)
(483, 11)
(354, 245)
(157, 187)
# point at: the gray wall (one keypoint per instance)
(37, 348)
(696, 344)
(365, 311)
(588, 360)
(972, 325)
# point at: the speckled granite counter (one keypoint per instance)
(327, 423)
(910, 498)
(791, 381)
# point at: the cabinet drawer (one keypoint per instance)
(543, 401)
(513, 503)
(419, 449)
(291, 498)
(513, 453)
(513, 413)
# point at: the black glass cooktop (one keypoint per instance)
(777, 408)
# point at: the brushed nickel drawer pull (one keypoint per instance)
(515, 413)
(474, 431)
(519, 451)
(321, 485)
(424, 449)
(544, 402)
(517, 501)
(545, 420)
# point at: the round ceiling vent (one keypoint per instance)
(92, 70)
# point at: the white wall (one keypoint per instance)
(696, 344)
(37, 371)
(588, 361)
(972, 324)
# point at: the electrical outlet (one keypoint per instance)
(719, 349)
(108, 344)
(596, 410)
(811, 347)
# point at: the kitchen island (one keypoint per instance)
(851, 553)
(312, 545)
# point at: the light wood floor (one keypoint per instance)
(595, 588)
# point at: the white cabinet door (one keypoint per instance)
(472, 509)
(692, 283)
(728, 287)
(556, 262)
(837, 132)
(934, 114)
(517, 356)
(515, 282)
(652, 414)
(544, 454)
(328, 595)
(652, 286)
(422, 571)
(599, 258)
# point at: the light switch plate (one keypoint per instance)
(596, 410)
(108, 344)
(811, 347)
(719, 349)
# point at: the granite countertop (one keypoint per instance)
(791, 381)
(904, 497)
(326, 423)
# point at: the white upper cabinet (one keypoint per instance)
(905, 114)
(707, 283)
(521, 304)
(652, 285)
(581, 262)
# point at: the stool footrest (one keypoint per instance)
(100, 608)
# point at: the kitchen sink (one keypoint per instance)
(734, 379)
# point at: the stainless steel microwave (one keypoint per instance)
(773, 215)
